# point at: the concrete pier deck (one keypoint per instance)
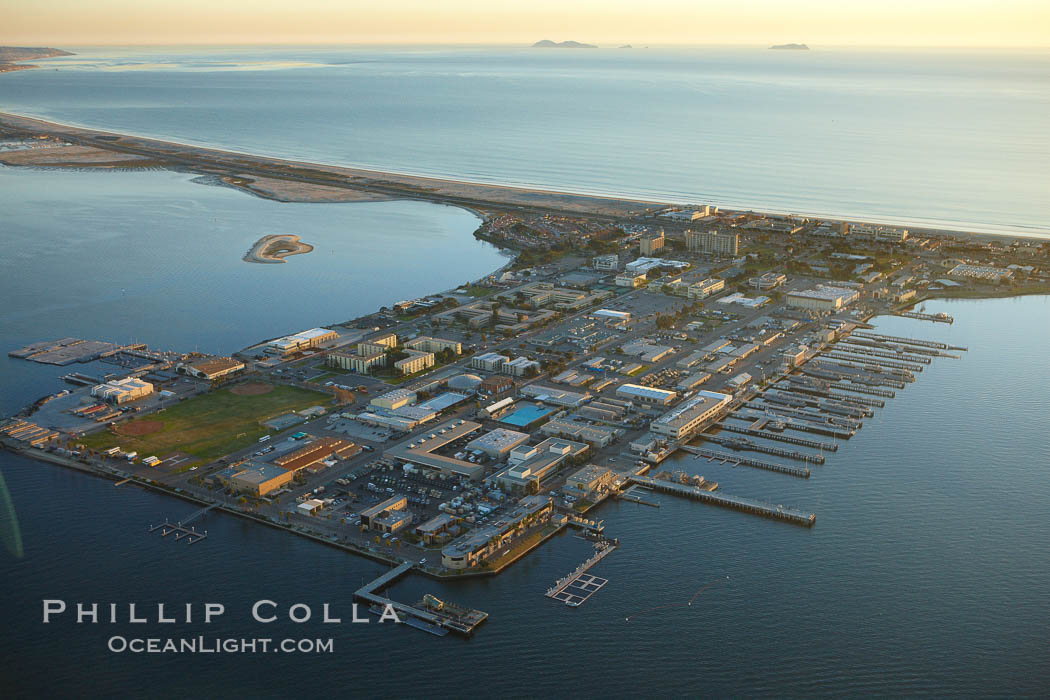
(747, 505)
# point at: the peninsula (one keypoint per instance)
(453, 434)
(11, 56)
(790, 47)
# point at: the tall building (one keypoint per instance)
(650, 243)
(713, 242)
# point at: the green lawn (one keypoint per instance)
(211, 425)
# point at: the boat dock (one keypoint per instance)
(779, 437)
(432, 611)
(739, 442)
(577, 587)
(737, 460)
(190, 534)
(747, 505)
(939, 318)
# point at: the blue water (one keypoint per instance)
(939, 138)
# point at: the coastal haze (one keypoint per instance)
(934, 138)
(926, 573)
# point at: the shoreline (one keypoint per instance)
(287, 180)
(88, 469)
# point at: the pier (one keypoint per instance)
(872, 351)
(437, 613)
(904, 341)
(939, 318)
(879, 362)
(805, 442)
(577, 587)
(739, 442)
(737, 460)
(746, 505)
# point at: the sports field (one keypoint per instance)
(210, 425)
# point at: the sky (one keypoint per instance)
(935, 23)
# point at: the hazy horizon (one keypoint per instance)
(670, 23)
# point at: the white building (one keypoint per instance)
(609, 263)
(300, 341)
(822, 298)
(646, 394)
(683, 421)
(630, 279)
(490, 361)
(520, 367)
(122, 390)
(713, 242)
(705, 288)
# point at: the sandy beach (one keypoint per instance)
(291, 181)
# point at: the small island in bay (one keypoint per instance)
(275, 248)
(548, 44)
(10, 55)
(790, 47)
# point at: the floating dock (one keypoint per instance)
(577, 587)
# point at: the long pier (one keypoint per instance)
(908, 341)
(766, 435)
(746, 505)
(847, 356)
(939, 318)
(743, 443)
(872, 351)
(737, 460)
(813, 391)
(904, 352)
(864, 389)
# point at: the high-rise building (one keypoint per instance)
(713, 242)
(650, 243)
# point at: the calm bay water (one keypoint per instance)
(939, 138)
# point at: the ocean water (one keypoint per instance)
(949, 138)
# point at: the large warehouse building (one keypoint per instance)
(822, 298)
(684, 420)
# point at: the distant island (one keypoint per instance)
(548, 44)
(9, 55)
(791, 47)
(626, 46)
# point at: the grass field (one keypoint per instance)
(210, 425)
